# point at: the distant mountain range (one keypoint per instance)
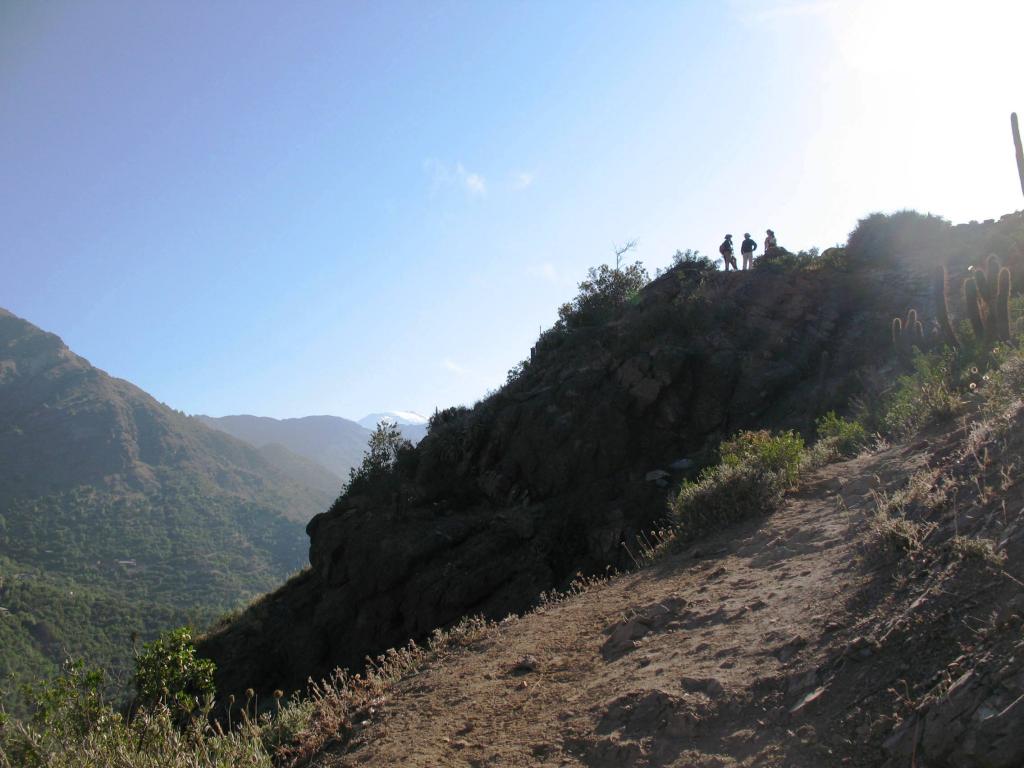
(119, 514)
(332, 443)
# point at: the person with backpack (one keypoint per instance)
(726, 250)
(747, 248)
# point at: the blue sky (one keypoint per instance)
(344, 207)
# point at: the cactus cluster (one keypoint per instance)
(907, 334)
(987, 298)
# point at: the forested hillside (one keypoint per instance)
(119, 515)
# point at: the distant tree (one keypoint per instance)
(380, 462)
(603, 293)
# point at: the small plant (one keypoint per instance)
(921, 396)
(983, 550)
(722, 495)
(780, 454)
(849, 437)
(894, 533)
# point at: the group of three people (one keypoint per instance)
(747, 248)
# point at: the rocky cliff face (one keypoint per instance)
(560, 469)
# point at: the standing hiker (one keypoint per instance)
(747, 248)
(726, 250)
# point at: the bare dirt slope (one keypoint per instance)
(718, 656)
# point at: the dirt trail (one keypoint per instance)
(707, 658)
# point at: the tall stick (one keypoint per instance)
(1017, 146)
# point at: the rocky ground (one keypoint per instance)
(804, 639)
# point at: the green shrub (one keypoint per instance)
(605, 291)
(904, 236)
(168, 671)
(694, 260)
(922, 396)
(723, 495)
(780, 454)
(71, 704)
(755, 469)
(848, 437)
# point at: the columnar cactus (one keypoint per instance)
(987, 296)
(907, 334)
(974, 308)
(942, 309)
(1003, 305)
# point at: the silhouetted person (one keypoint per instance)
(726, 250)
(770, 243)
(747, 248)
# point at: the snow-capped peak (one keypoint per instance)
(406, 418)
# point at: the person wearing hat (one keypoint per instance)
(726, 250)
(747, 248)
(769, 242)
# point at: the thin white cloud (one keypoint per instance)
(545, 271)
(454, 367)
(522, 179)
(443, 176)
(474, 183)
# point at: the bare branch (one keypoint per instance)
(622, 251)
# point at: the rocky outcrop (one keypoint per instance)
(552, 474)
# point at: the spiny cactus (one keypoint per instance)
(907, 334)
(942, 309)
(974, 308)
(1003, 305)
(987, 296)
(1018, 148)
